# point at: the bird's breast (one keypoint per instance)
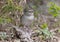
(27, 20)
(30, 17)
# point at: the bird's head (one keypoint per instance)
(29, 12)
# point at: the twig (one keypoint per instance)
(54, 29)
(17, 28)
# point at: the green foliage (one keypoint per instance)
(36, 13)
(10, 2)
(1, 20)
(54, 9)
(45, 32)
(34, 7)
(3, 35)
(10, 6)
(44, 26)
(8, 20)
(7, 8)
(20, 8)
(59, 31)
(5, 20)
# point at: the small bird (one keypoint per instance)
(28, 17)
